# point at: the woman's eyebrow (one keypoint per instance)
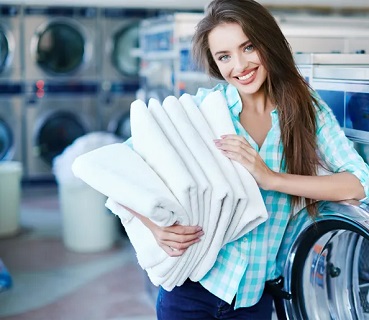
(240, 46)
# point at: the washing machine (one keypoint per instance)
(11, 88)
(120, 66)
(326, 271)
(11, 101)
(10, 43)
(56, 114)
(60, 42)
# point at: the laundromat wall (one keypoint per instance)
(69, 70)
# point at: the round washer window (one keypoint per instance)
(123, 42)
(57, 132)
(6, 139)
(60, 48)
(4, 50)
(122, 127)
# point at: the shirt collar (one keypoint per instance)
(235, 104)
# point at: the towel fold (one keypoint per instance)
(215, 110)
(118, 172)
(221, 205)
(181, 273)
(153, 146)
(205, 132)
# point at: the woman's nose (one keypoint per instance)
(241, 63)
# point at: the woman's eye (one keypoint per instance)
(249, 48)
(224, 57)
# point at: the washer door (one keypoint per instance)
(56, 132)
(6, 140)
(327, 270)
(124, 41)
(60, 48)
(4, 50)
(121, 126)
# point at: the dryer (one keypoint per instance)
(56, 113)
(60, 42)
(120, 66)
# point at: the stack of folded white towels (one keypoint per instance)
(176, 174)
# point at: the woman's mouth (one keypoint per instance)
(247, 76)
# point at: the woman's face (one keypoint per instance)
(236, 58)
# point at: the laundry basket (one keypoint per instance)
(87, 225)
(10, 191)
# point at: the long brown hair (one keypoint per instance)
(284, 85)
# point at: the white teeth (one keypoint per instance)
(248, 76)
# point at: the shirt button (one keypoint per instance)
(244, 239)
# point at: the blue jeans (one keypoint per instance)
(193, 301)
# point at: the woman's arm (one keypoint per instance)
(335, 187)
(174, 240)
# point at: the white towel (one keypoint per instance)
(155, 148)
(203, 129)
(203, 187)
(118, 172)
(215, 110)
(221, 205)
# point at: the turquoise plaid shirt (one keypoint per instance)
(243, 266)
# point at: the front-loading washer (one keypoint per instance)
(60, 42)
(11, 89)
(10, 43)
(11, 100)
(56, 114)
(326, 271)
(120, 66)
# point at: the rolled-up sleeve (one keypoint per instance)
(336, 150)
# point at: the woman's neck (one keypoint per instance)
(257, 103)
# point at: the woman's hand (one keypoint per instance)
(237, 148)
(174, 240)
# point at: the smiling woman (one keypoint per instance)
(284, 133)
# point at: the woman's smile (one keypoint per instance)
(237, 59)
